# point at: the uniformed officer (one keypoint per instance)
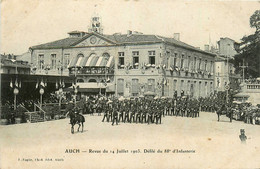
(138, 115)
(115, 116)
(158, 116)
(150, 116)
(144, 114)
(106, 113)
(132, 115)
(121, 113)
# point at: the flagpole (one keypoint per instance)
(15, 90)
(75, 91)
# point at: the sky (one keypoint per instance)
(26, 23)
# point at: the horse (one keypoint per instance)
(76, 119)
(224, 111)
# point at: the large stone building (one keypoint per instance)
(131, 64)
(225, 70)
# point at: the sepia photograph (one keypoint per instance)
(129, 84)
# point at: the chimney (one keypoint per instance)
(129, 32)
(176, 36)
(206, 48)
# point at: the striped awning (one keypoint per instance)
(92, 61)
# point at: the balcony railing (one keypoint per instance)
(93, 71)
(14, 63)
(253, 86)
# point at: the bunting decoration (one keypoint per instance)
(36, 85)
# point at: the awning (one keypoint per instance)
(92, 61)
(244, 95)
(149, 93)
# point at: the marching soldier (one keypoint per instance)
(138, 115)
(115, 116)
(132, 115)
(150, 116)
(106, 114)
(158, 116)
(143, 118)
(127, 114)
(110, 112)
(121, 114)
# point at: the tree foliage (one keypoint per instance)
(249, 50)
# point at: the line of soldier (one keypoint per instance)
(131, 112)
(144, 110)
(215, 102)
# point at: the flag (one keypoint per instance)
(63, 84)
(164, 82)
(164, 66)
(11, 84)
(57, 86)
(42, 84)
(108, 80)
(16, 83)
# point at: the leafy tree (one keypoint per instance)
(249, 50)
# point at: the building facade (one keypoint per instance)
(225, 70)
(131, 64)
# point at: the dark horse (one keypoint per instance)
(223, 110)
(76, 118)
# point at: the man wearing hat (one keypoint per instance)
(115, 116)
(242, 136)
(132, 115)
(106, 113)
(127, 110)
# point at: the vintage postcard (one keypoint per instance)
(129, 84)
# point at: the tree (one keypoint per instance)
(255, 20)
(249, 50)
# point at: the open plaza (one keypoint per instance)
(179, 142)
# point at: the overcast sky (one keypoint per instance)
(26, 23)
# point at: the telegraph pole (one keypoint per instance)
(243, 68)
(227, 87)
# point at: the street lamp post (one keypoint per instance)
(75, 90)
(227, 73)
(16, 91)
(41, 93)
(227, 79)
(61, 86)
(105, 81)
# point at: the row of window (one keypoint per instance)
(135, 61)
(182, 62)
(53, 64)
(189, 87)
